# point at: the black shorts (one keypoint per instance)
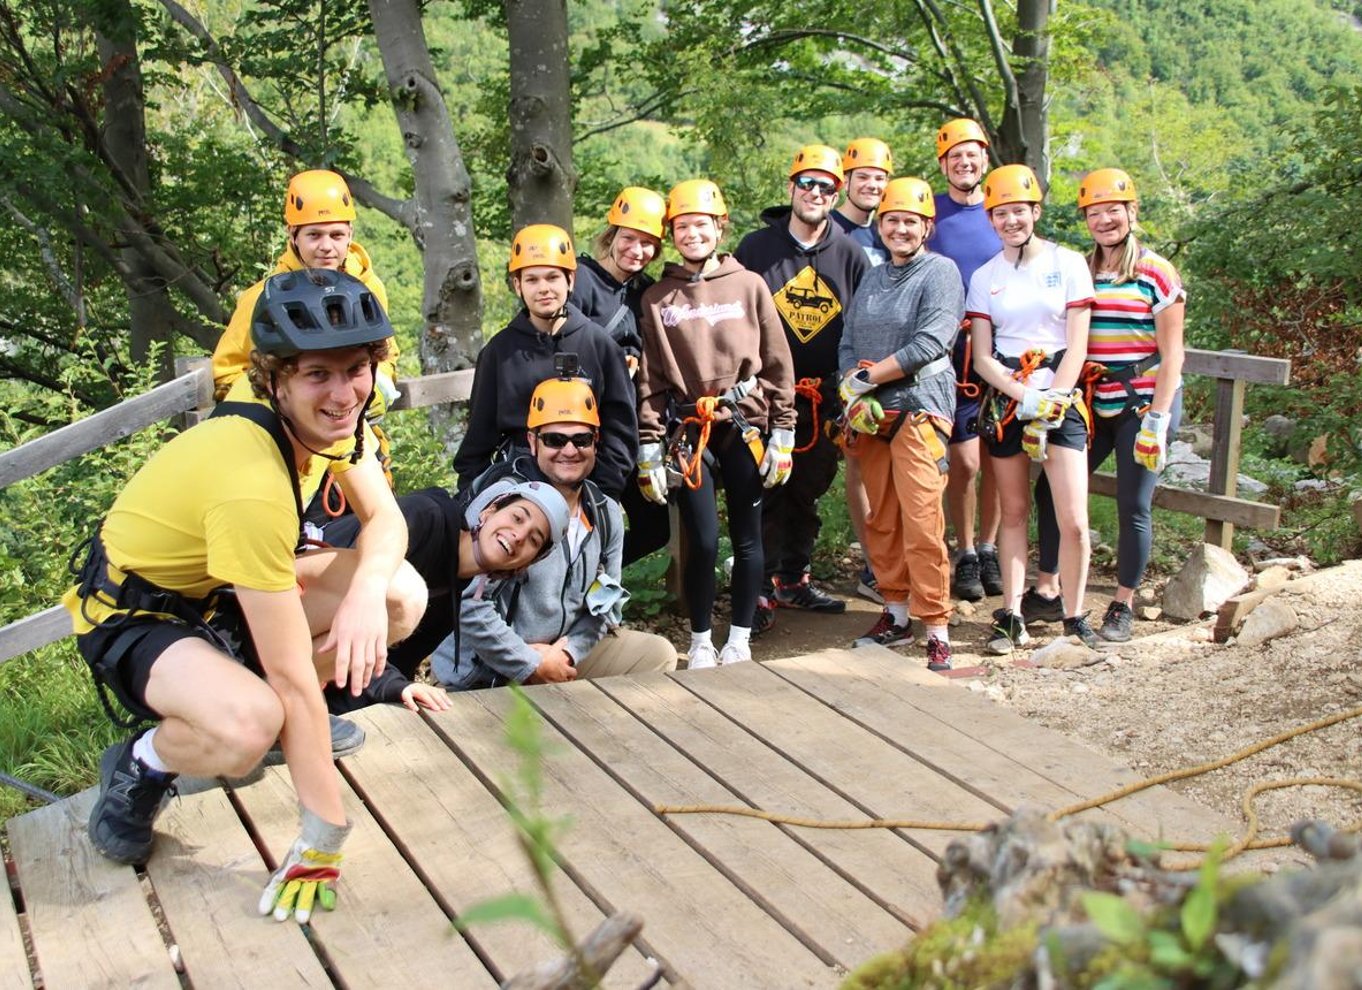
(1071, 433)
(966, 419)
(121, 655)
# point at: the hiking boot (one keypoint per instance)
(1077, 625)
(733, 653)
(886, 632)
(702, 656)
(990, 573)
(765, 615)
(1036, 607)
(131, 795)
(803, 594)
(868, 586)
(1007, 632)
(938, 654)
(966, 586)
(1117, 623)
(346, 738)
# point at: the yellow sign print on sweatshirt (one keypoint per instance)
(807, 303)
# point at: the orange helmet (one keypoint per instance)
(1011, 184)
(1106, 185)
(958, 131)
(696, 196)
(910, 195)
(563, 400)
(542, 244)
(638, 209)
(868, 153)
(819, 157)
(317, 196)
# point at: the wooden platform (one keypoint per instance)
(727, 901)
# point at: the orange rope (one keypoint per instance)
(1092, 373)
(1030, 361)
(333, 487)
(965, 387)
(809, 388)
(704, 418)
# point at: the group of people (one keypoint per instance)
(258, 577)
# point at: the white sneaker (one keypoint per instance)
(702, 656)
(733, 653)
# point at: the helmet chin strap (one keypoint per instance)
(355, 455)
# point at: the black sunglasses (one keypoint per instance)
(808, 183)
(557, 441)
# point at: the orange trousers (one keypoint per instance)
(906, 528)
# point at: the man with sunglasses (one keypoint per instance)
(812, 269)
(559, 620)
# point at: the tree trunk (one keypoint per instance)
(1025, 132)
(442, 224)
(541, 178)
(151, 314)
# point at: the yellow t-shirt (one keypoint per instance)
(233, 352)
(213, 507)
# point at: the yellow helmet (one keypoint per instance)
(542, 244)
(910, 195)
(317, 196)
(638, 209)
(563, 400)
(868, 153)
(696, 196)
(820, 157)
(1011, 184)
(1106, 185)
(958, 131)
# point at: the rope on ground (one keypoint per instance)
(1247, 841)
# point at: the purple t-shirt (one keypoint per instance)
(963, 234)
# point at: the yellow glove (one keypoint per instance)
(1036, 439)
(307, 873)
(778, 461)
(864, 414)
(1048, 406)
(1151, 443)
(652, 472)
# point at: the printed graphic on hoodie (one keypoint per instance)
(807, 303)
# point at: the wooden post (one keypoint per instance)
(204, 406)
(1229, 429)
(678, 546)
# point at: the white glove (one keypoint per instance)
(1151, 443)
(779, 458)
(652, 472)
(855, 384)
(1049, 405)
(308, 871)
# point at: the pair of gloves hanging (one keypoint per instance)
(775, 465)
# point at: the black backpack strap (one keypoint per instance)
(268, 420)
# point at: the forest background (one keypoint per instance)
(144, 148)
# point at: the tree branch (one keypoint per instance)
(782, 36)
(49, 257)
(640, 111)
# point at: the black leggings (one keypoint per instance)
(700, 516)
(1134, 496)
(650, 524)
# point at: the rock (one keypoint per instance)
(1065, 654)
(1199, 439)
(1311, 485)
(954, 620)
(1269, 620)
(1079, 689)
(1188, 469)
(1271, 578)
(1146, 596)
(1279, 430)
(966, 608)
(1200, 635)
(1210, 576)
(1150, 613)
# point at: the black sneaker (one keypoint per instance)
(1007, 632)
(346, 738)
(1036, 607)
(803, 594)
(1117, 623)
(966, 586)
(1077, 625)
(131, 795)
(765, 615)
(990, 573)
(938, 654)
(886, 632)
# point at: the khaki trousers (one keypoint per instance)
(628, 651)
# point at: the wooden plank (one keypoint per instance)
(102, 428)
(1224, 479)
(47, 626)
(710, 932)
(879, 778)
(833, 913)
(443, 819)
(90, 923)
(433, 390)
(890, 869)
(1227, 508)
(203, 406)
(14, 974)
(208, 875)
(386, 929)
(1237, 365)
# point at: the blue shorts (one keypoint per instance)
(966, 419)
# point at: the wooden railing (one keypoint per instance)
(190, 397)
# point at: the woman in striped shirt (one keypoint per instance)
(1136, 338)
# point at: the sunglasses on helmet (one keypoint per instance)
(557, 441)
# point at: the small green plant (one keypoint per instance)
(646, 580)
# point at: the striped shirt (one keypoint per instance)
(1122, 330)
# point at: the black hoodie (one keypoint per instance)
(811, 286)
(610, 303)
(513, 363)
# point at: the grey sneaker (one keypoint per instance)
(1036, 607)
(868, 586)
(1007, 632)
(1117, 623)
(131, 795)
(967, 585)
(1077, 625)
(346, 738)
(990, 572)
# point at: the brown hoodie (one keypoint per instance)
(702, 334)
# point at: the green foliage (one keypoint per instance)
(646, 581)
